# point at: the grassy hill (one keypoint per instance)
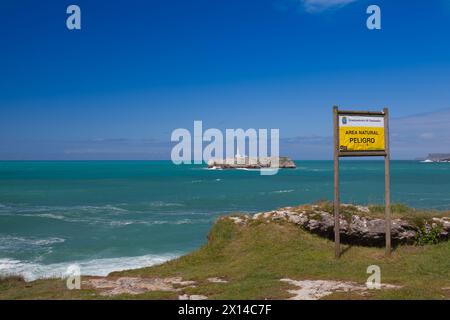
(253, 257)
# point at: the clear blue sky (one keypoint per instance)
(139, 69)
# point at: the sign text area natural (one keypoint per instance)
(361, 133)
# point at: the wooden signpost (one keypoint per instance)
(361, 134)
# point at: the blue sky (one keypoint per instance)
(139, 69)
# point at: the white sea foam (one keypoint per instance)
(111, 222)
(102, 208)
(165, 204)
(283, 191)
(9, 242)
(97, 267)
(184, 221)
(44, 215)
(77, 208)
(181, 221)
(83, 213)
(121, 223)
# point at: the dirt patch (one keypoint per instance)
(132, 285)
(316, 289)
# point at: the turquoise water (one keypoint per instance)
(113, 215)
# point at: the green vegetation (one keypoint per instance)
(428, 236)
(253, 257)
(396, 208)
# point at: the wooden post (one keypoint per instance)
(387, 177)
(337, 244)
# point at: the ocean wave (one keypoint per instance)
(165, 204)
(96, 267)
(111, 221)
(101, 208)
(61, 217)
(124, 223)
(44, 215)
(107, 208)
(148, 223)
(180, 221)
(283, 191)
(188, 221)
(90, 214)
(30, 209)
(9, 242)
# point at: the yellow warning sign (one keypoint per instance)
(361, 133)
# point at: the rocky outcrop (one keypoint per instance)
(358, 228)
(136, 285)
(317, 289)
(252, 163)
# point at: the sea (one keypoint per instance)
(105, 216)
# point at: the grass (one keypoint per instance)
(254, 257)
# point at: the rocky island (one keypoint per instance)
(243, 162)
(437, 157)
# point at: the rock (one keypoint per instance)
(298, 219)
(316, 289)
(134, 285)
(444, 223)
(279, 215)
(364, 209)
(239, 219)
(257, 216)
(359, 229)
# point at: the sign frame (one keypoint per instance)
(355, 153)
